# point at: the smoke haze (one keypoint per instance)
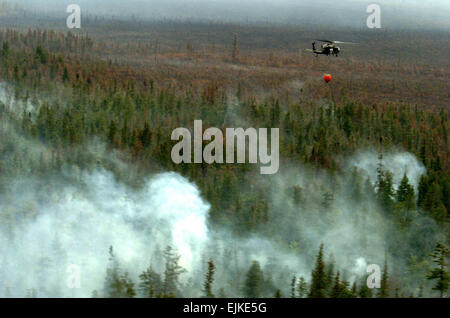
(73, 217)
(395, 14)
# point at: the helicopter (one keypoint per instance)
(328, 47)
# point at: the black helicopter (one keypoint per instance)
(328, 47)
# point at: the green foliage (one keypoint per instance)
(319, 277)
(41, 55)
(440, 272)
(384, 186)
(117, 283)
(340, 288)
(383, 292)
(254, 281)
(293, 286)
(150, 285)
(405, 192)
(302, 288)
(405, 199)
(277, 294)
(209, 279)
(172, 272)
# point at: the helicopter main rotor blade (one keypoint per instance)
(341, 42)
(328, 41)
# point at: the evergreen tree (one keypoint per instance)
(405, 197)
(337, 288)
(277, 294)
(171, 273)
(253, 281)
(302, 287)
(150, 285)
(405, 192)
(5, 51)
(113, 284)
(440, 273)
(330, 272)
(340, 288)
(117, 284)
(209, 279)
(65, 76)
(384, 186)
(112, 132)
(128, 286)
(364, 290)
(41, 55)
(293, 282)
(318, 281)
(383, 292)
(423, 190)
(354, 291)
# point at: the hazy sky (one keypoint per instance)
(413, 13)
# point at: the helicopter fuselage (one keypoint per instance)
(326, 49)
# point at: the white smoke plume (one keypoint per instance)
(77, 224)
(397, 163)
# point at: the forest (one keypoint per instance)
(86, 175)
